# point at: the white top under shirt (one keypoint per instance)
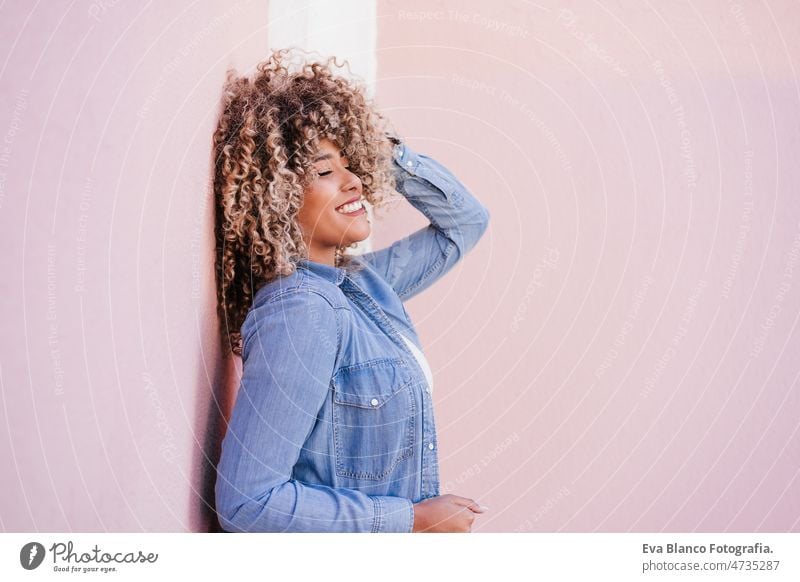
(423, 361)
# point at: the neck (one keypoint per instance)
(326, 256)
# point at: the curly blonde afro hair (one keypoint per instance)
(268, 132)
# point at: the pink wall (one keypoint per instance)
(606, 360)
(110, 363)
(618, 353)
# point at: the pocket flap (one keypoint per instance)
(370, 384)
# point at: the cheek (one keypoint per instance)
(317, 210)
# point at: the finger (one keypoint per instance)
(476, 507)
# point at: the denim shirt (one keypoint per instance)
(333, 429)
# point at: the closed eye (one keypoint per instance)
(331, 171)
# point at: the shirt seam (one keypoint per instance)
(376, 523)
(297, 290)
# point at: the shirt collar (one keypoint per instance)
(327, 272)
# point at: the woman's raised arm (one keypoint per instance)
(457, 222)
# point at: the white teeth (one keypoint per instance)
(348, 208)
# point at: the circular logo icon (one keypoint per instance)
(31, 555)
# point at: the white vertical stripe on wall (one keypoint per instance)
(344, 28)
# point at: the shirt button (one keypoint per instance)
(430, 446)
(374, 402)
(409, 163)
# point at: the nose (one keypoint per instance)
(352, 184)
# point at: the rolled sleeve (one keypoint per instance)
(393, 515)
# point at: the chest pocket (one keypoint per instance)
(373, 418)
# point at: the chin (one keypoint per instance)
(357, 233)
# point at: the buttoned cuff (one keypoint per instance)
(409, 163)
(392, 514)
(405, 158)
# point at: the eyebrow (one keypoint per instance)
(327, 156)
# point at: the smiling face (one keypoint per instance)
(332, 213)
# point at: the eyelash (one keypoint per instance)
(331, 171)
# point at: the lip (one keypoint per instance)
(348, 202)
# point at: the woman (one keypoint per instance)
(333, 427)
